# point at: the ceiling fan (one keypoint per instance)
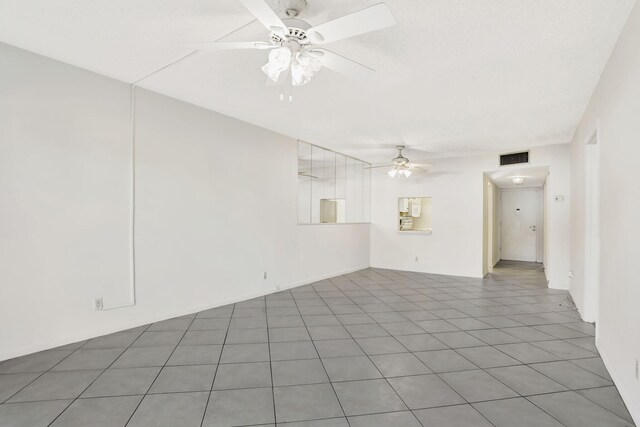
(293, 43)
(401, 165)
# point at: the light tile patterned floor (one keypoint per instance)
(372, 348)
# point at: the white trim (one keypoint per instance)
(592, 227)
(68, 339)
(539, 225)
(563, 287)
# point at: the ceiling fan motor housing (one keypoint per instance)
(296, 30)
(400, 160)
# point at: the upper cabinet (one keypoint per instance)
(414, 214)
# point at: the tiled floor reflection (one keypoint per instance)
(371, 348)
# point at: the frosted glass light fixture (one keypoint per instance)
(299, 75)
(279, 60)
(304, 65)
(517, 180)
(399, 170)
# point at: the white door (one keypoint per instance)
(520, 214)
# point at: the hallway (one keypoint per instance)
(520, 271)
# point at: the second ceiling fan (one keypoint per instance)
(400, 165)
(294, 44)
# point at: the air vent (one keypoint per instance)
(514, 158)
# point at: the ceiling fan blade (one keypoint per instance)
(263, 13)
(229, 45)
(421, 165)
(366, 20)
(343, 65)
(380, 166)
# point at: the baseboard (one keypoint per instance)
(408, 270)
(553, 285)
(69, 339)
(633, 406)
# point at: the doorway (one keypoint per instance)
(521, 224)
(514, 215)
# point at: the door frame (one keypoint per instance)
(592, 228)
(539, 219)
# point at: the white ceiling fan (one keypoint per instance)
(294, 44)
(400, 165)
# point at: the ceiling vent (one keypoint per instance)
(514, 158)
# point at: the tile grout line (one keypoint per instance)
(95, 379)
(273, 392)
(215, 374)
(521, 364)
(320, 359)
(160, 371)
(412, 292)
(44, 372)
(374, 365)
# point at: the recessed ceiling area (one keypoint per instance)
(452, 78)
(532, 177)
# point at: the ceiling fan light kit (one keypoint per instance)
(399, 171)
(400, 165)
(292, 41)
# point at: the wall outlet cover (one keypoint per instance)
(97, 304)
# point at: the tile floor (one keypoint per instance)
(372, 348)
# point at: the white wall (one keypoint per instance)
(215, 197)
(614, 109)
(456, 245)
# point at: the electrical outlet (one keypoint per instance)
(97, 304)
(571, 275)
(416, 259)
(265, 275)
(637, 370)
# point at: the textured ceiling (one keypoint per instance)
(454, 77)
